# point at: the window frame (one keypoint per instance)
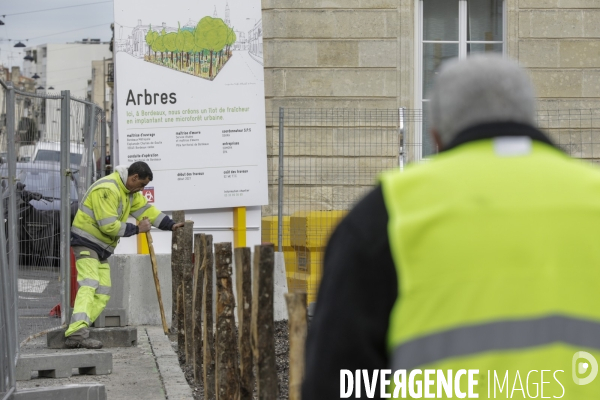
(462, 54)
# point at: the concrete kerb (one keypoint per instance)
(174, 382)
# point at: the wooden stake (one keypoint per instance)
(208, 364)
(201, 241)
(157, 282)
(263, 329)
(296, 305)
(243, 280)
(226, 352)
(178, 216)
(180, 333)
(188, 289)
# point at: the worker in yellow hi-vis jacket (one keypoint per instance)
(98, 225)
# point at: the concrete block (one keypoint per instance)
(110, 337)
(378, 53)
(380, 103)
(538, 53)
(556, 23)
(524, 18)
(557, 83)
(290, 53)
(337, 53)
(60, 365)
(142, 302)
(538, 4)
(591, 27)
(283, 4)
(558, 4)
(92, 391)
(577, 3)
(111, 317)
(323, 23)
(280, 288)
(579, 53)
(336, 82)
(591, 83)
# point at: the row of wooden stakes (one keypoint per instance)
(222, 358)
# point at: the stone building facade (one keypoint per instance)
(382, 54)
(363, 53)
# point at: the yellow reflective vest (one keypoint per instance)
(103, 212)
(498, 265)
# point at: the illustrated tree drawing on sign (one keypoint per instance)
(200, 51)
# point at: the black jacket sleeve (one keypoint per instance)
(166, 224)
(358, 290)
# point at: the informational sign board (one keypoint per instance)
(190, 100)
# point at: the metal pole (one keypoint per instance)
(280, 188)
(65, 204)
(401, 126)
(111, 143)
(90, 149)
(7, 341)
(13, 247)
(103, 143)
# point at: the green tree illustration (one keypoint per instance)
(211, 34)
(170, 43)
(149, 39)
(185, 42)
(158, 46)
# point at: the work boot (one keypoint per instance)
(80, 343)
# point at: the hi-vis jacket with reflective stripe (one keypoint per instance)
(104, 209)
(498, 264)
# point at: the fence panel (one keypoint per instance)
(45, 195)
(331, 158)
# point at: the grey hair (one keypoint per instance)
(481, 89)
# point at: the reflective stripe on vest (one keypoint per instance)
(501, 335)
(93, 239)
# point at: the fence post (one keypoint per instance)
(65, 206)
(296, 305)
(178, 216)
(280, 183)
(208, 359)
(188, 289)
(13, 244)
(103, 144)
(226, 351)
(263, 327)
(90, 150)
(9, 318)
(243, 281)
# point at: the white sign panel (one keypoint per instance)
(190, 100)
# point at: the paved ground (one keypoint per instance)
(149, 371)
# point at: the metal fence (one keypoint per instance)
(52, 148)
(322, 161)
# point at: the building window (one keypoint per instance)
(448, 29)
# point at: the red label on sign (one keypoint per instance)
(148, 194)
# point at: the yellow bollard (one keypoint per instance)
(142, 243)
(239, 227)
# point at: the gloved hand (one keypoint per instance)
(145, 225)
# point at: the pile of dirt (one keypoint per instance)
(282, 350)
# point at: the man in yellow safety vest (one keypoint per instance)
(475, 272)
(100, 222)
